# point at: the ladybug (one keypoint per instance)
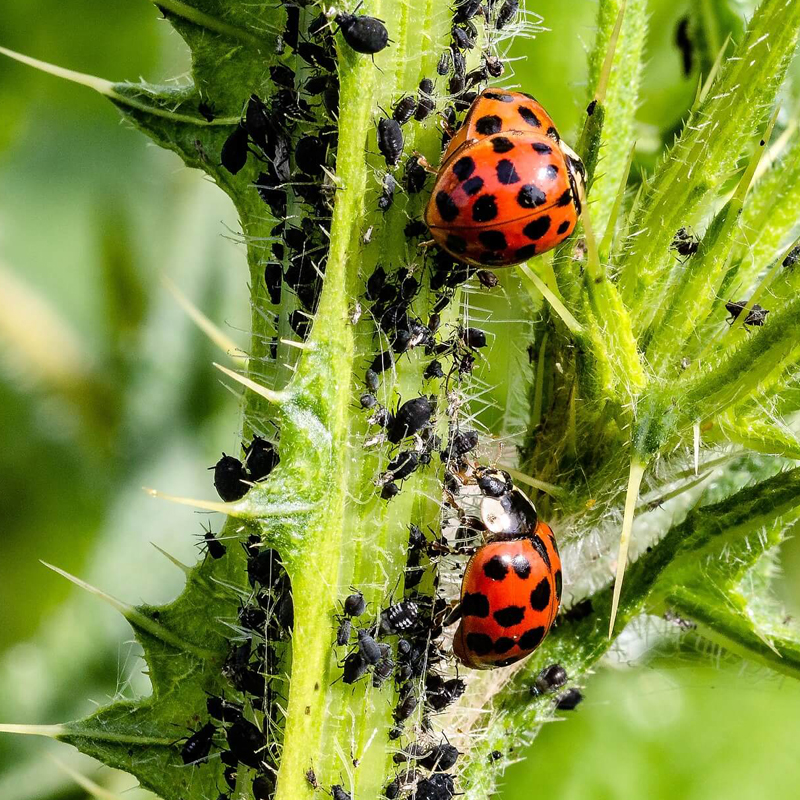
(508, 188)
(512, 586)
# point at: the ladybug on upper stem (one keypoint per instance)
(508, 187)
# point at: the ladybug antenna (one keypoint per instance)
(634, 482)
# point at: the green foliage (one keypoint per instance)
(621, 374)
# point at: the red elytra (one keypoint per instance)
(508, 188)
(510, 596)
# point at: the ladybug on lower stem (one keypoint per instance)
(508, 188)
(511, 590)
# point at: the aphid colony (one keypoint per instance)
(686, 244)
(233, 478)
(264, 624)
(509, 599)
(292, 136)
(505, 175)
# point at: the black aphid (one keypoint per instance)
(354, 667)
(261, 458)
(403, 465)
(246, 742)
(364, 34)
(389, 185)
(404, 110)
(215, 547)
(234, 150)
(549, 679)
(229, 475)
(399, 617)
(569, 700)
(390, 140)
(355, 605)
(198, 745)
(410, 418)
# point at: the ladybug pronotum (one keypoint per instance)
(508, 188)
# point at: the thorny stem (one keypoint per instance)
(595, 412)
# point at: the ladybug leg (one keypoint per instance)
(427, 244)
(425, 164)
(454, 616)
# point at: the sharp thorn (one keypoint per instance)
(268, 394)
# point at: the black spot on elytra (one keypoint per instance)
(553, 134)
(475, 604)
(479, 643)
(531, 639)
(529, 117)
(529, 196)
(565, 199)
(558, 584)
(463, 168)
(492, 240)
(521, 566)
(499, 96)
(484, 209)
(503, 645)
(550, 172)
(540, 596)
(538, 546)
(563, 227)
(542, 148)
(506, 173)
(495, 568)
(509, 616)
(502, 145)
(489, 124)
(456, 244)
(506, 661)
(447, 208)
(524, 253)
(538, 228)
(473, 185)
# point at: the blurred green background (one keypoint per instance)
(106, 387)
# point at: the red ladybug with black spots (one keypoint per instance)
(508, 188)
(512, 586)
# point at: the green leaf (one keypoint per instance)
(621, 101)
(708, 150)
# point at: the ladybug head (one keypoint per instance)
(510, 516)
(577, 176)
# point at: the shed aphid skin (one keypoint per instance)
(685, 243)
(508, 188)
(756, 316)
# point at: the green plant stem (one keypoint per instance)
(728, 624)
